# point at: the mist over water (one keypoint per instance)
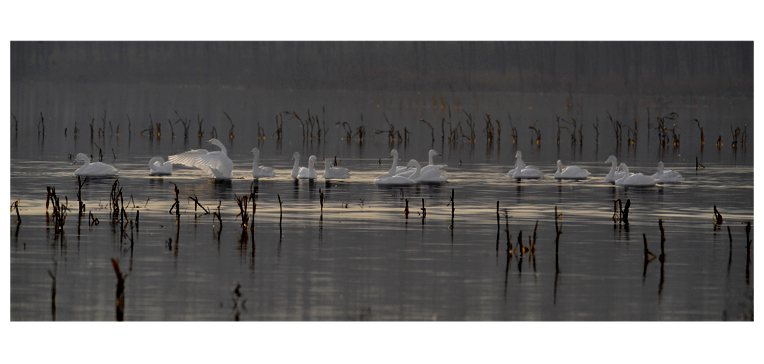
(360, 258)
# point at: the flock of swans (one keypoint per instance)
(217, 165)
(619, 177)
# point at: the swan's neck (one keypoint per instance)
(394, 168)
(256, 161)
(430, 161)
(311, 166)
(296, 164)
(559, 167)
(520, 164)
(418, 170)
(660, 168)
(219, 144)
(327, 167)
(85, 160)
(612, 169)
(158, 160)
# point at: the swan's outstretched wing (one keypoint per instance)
(216, 163)
(187, 158)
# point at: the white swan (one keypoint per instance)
(216, 164)
(395, 169)
(432, 153)
(296, 168)
(95, 169)
(667, 176)
(614, 173)
(259, 171)
(522, 171)
(159, 167)
(396, 180)
(335, 172)
(430, 176)
(634, 180)
(570, 172)
(310, 172)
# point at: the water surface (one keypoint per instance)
(360, 258)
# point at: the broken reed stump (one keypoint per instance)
(53, 293)
(15, 205)
(626, 212)
(321, 200)
(452, 204)
(406, 210)
(79, 195)
(698, 164)
(520, 246)
(120, 289)
(506, 229)
(281, 212)
(718, 219)
(663, 239)
(748, 240)
(93, 220)
(648, 255)
(498, 218)
(217, 214)
(197, 203)
(176, 205)
(424, 210)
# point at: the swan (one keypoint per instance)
(259, 171)
(634, 180)
(613, 175)
(216, 163)
(310, 172)
(95, 169)
(296, 168)
(430, 176)
(522, 171)
(570, 172)
(430, 164)
(335, 172)
(396, 180)
(395, 169)
(667, 176)
(159, 167)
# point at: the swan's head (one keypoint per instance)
(255, 151)
(312, 159)
(433, 153)
(624, 168)
(81, 157)
(519, 154)
(611, 159)
(393, 153)
(213, 141)
(295, 156)
(559, 164)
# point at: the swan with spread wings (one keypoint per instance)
(216, 163)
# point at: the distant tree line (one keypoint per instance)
(701, 68)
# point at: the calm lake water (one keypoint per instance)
(361, 258)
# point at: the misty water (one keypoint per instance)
(360, 258)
